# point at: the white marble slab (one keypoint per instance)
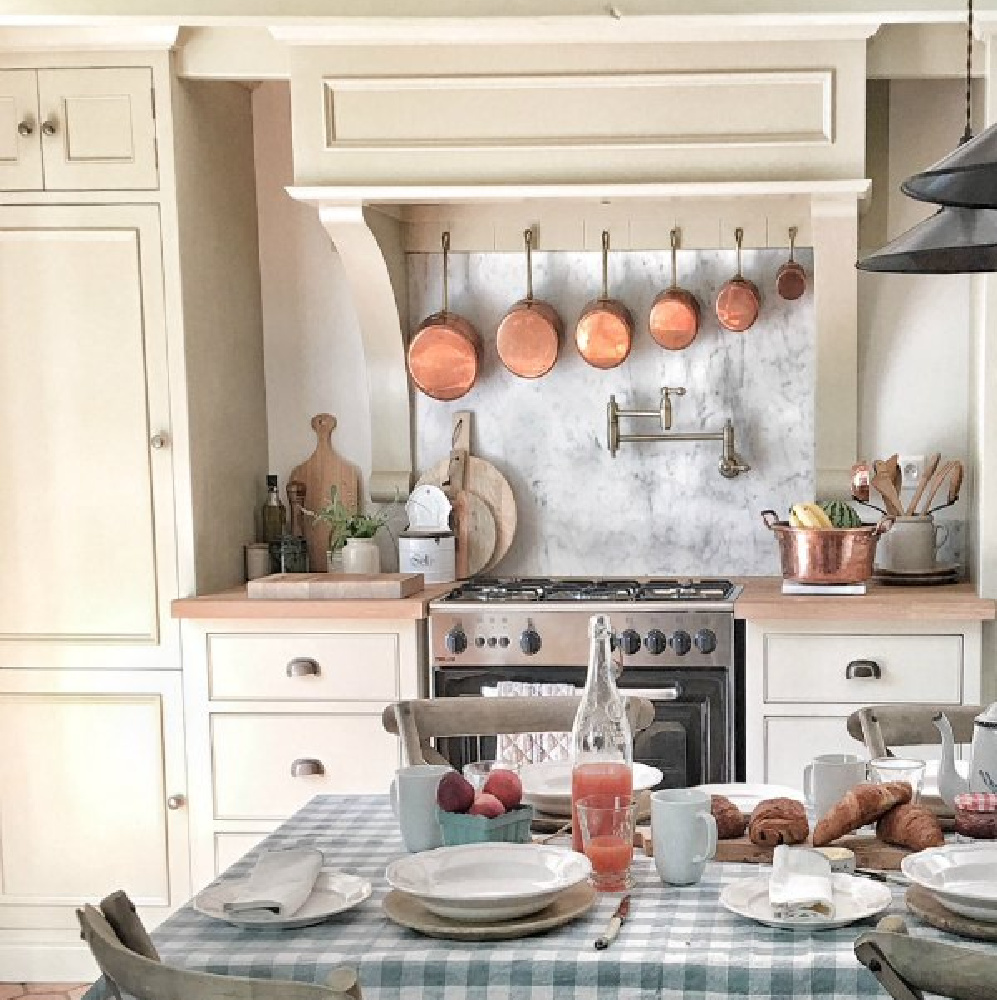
(656, 508)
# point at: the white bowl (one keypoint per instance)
(547, 786)
(962, 876)
(485, 882)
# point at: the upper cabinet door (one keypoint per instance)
(20, 148)
(98, 129)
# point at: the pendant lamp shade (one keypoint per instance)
(952, 241)
(966, 178)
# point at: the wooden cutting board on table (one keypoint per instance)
(319, 474)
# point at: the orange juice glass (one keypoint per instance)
(607, 827)
(597, 778)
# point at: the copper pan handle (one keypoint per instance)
(605, 264)
(883, 525)
(771, 518)
(739, 238)
(675, 245)
(792, 242)
(528, 239)
(446, 253)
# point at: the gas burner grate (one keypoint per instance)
(591, 590)
(686, 590)
(530, 590)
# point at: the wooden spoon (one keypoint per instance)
(936, 484)
(955, 484)
(882, 481)
(929, 470)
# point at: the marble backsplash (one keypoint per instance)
(656, 508)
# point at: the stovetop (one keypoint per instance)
(571, 590)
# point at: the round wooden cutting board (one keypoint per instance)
(926, 905)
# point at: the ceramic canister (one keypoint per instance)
(431, 553)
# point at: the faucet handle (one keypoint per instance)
(667, 391)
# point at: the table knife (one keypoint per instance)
(615, 923)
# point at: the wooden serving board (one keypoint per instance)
(925, 905)
(332, 587)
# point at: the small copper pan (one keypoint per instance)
(674, 319)
(529, 335)
(444, 353)
(738, 301)
(604, 332)
(791, 281)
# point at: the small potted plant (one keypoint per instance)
(353, 533)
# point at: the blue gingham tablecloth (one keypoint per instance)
(677, 942)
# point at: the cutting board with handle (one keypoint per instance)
(474, 524)
(319, 474)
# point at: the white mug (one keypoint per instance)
(413, 801)
(684, 833)
(911, 544)
(828, 778)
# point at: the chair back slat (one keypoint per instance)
(881, 727)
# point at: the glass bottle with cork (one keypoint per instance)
(601, 740)
(272, 516)
(289, 554)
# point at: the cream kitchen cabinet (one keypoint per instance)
(280, 710)
(78, 128)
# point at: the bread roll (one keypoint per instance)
(861, 805)
(778, 821)
(731, 822)
(910, 826)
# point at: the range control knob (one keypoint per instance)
(705, 640)
(656, 641)
(455, 640)
(681, 642)
(529, 642)
(629, 642)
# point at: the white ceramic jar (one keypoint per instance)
(361, 555)
(431, 553)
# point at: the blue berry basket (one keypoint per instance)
(512, 827)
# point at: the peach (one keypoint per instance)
(505, 786)
(486, 805)
(454, 794)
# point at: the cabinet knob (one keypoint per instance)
(158, 441)
(863, 668)
(25, 129)
(303, 666)
(304, 766)
(176, 801)
(48, 128)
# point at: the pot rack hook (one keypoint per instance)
(792, 240)
(445, 241)
(528, 240)
(675, 237)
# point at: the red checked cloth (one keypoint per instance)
(977, 802)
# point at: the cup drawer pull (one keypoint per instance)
(303, 666)
(863, 669)
(305, 766)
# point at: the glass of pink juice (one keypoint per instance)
(607, 828)
(597, 778)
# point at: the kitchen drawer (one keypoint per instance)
(252, 756)
(906, 668)
(341, 666)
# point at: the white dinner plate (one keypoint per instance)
(547, 786)
(854, 899)
(334, 892)
(746, 797)
(962, 876)
(491, 881)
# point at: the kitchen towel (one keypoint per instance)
(531, 748)
(801, 887)
(280, 883)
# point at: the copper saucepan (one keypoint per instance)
(604, 332)
(791, 281)
(529, 335)
(444, 353)
(738, 301)
(674, 319)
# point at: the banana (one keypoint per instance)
(809, 515)
(794, 520)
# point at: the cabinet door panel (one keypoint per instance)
(83, 385)
(20, 155)
(104, 130)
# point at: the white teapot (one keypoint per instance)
(983, 762)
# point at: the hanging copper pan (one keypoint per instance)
(791, 281)
(738, 302)
(444, 353)
(529, 335)
(604, 332)
(674, 319)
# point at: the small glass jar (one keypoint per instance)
(976, 815)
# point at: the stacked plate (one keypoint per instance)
(940, 574)
(962, 877)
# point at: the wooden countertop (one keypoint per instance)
(763, 600)
(235, 604)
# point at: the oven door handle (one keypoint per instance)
(671, 692)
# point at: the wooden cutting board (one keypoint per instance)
(926, 905)
(319, 473)
(333, 587)
(474, 524)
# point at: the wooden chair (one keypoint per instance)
(130, 963)
(417, 722)
(880, 727)
(907, 967)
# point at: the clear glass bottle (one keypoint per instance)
(601, 741)
(272, 515)
(289, 554)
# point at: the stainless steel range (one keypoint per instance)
(675, 640)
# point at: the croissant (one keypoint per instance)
(778, 821)
(860, 805)
(910, 826)
(730, 820)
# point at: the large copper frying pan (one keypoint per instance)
(739, 301)
(529, 335)
(444, 353)
(604, 332)
(674, 319)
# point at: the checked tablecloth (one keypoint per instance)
(676, 943)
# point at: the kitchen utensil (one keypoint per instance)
(955, 484)
(963, 877)
(675, 315)
(604, 332)
(444, 353)
(319, 473)
(929, 470)
(833, 555)
(935, 483)
(474, 525)
(861, 477)
(346, 587)
(791, 280)
(530, 333)
(882, 482)
(927, 906)
(684, 833)
(738, 301)
(891, 466)
(547, 785)
(615, 923)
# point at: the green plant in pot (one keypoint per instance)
(351, 533)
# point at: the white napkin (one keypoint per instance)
(801, 887)
(280, 883)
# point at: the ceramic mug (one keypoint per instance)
(828, 778)
(684, 833)
(911, 545)
(413, 801)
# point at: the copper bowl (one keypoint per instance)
(826, 555)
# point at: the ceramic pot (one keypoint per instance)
(361, 555)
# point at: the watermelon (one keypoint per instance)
(842, 514)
